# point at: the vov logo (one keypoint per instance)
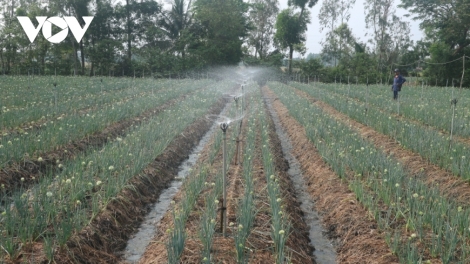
(45, 23)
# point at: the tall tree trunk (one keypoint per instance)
(291, 52)
(129, 31)
(92, 68)
(75, 57)
(82, 55)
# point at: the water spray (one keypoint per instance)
(243, 99)
(236, 98)
(223, 210)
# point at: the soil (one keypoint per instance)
(299, 238)
(259, 242)
(353, 229)
(156, 252)
(450, 186)
(461, 139)
(32, 170)
(108, 233)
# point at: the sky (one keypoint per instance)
(356, 23)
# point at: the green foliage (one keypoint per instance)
(290, 30)
(262, 15)
(221, 26)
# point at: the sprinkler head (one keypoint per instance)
(224, 127)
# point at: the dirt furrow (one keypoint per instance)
(108, 233)
(350, 225)
(156, 252)
(412, 120)
(28, 172)
(35, 125)
(452, 187)
(222, 247)
(259, 241)
(298, 241)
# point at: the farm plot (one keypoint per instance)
(263, 221)
(46, 219)
(425, 143)
(380, 198)
(62, 96)
(29, 155)
(431, 106)
(419, 223)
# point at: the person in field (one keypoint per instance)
(398, 81)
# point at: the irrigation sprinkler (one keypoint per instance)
(236, 98)
(453, 103)
(55, 95)
(367, 94)
(243, 99)
(422, 89)
(223, 210)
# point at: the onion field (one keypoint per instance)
(85, 164)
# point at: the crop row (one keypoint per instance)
(41, 89)
(419, 223)
(38, 112)
(430, 105)
(65, 201)
(429, 143)
(280, 226)
(194, 185)
(26, 146)
(246, 210)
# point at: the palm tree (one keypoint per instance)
(175, 23)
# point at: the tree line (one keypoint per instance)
(138, 37)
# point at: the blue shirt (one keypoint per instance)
(397, 82)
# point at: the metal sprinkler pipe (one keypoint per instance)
(223, 210)
(236, 98)
(243, 99)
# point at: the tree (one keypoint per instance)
(444, 20)
(302, 4)
(290, 31)
(446, 24)
(262, 17)
(333, 49)
(389, 34)
(221, 27)
(135, 15)
(310, 67)
(101, 36)
(330, 12)
(176, 23)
